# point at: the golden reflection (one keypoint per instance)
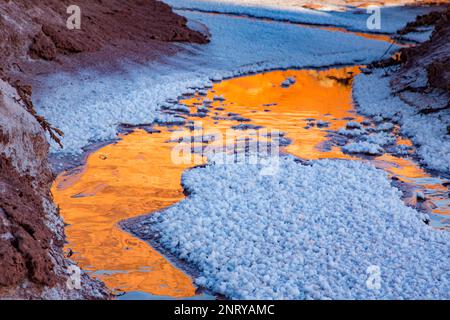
(400, 167)
(319, 95)
(370, 36)
(123, 180)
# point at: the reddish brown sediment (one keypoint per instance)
(35, 39)
(37, 30)
(32, 263)
(432, 57)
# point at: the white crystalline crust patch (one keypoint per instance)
(309, 232)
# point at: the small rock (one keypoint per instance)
(288, 82)
(387, 126)
(420, 196)
(378, 119)
(240, 119)
(246, 127)
(322, 124)
(353, 125)
(180, 108)
(202, 110)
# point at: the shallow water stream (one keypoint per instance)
(136, 175)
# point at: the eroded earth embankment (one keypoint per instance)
(34, 39)
(425, 67)
(431, 58)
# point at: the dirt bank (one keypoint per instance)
(35, 39)
(423, 80)
(425, 68)
(32, 263)
(421, 77)
(432, 57)
(33, 31)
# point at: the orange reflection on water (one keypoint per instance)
(410, 172)
(123, 180)
(401, 167)
(370, 36)
(320, 95)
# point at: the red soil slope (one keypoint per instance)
(32, 263)
(433, 56)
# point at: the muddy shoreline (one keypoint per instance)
(38, 43)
